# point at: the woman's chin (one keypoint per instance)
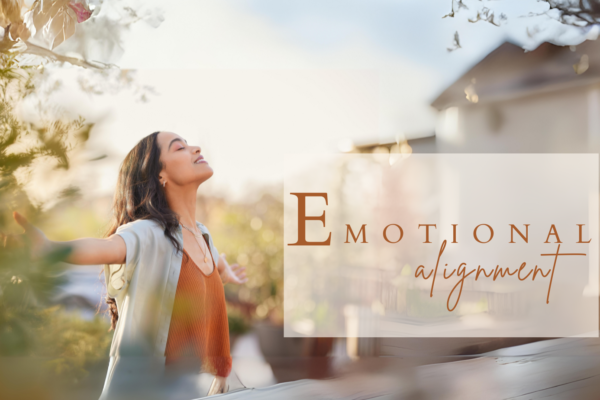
(206, 174)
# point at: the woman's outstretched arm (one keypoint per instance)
(231, 273)
(85, 251)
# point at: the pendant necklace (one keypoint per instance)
(196, 237)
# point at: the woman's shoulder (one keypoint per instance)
(202, 227)
(141, 225)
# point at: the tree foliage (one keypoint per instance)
(250, 233)
(573, 13)
(29, 326)
(569, 12)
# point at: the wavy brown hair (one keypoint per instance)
(139, 195)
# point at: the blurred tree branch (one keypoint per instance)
(77, 26)
(570, 12)
(27, 326)
(29, 37)
(251, 234)
(574, 13)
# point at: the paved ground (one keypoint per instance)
(556, 369)
(567, 368)
(249, 364)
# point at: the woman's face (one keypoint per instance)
(182, 164)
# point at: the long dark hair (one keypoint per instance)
(139, 195)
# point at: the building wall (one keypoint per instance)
(560, 121)
(565, 120)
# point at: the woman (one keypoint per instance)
(165, 300)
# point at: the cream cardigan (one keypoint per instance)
(144, 289)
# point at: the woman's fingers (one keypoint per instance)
(241, 276)
(238, 277)
(236, 273)
(32, 235)
(4, 240)
(30, 230)
(10, 240)
(21, 220)
(238, 269)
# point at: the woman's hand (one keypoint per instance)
(231, 273)
(38, 241)
(84, 251)
(219, 385)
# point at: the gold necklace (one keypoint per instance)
(197, 241)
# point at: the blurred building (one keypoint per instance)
(543, 101)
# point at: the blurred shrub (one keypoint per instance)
(238, 322)
(251, 234)
(71, 343)
(28, 326)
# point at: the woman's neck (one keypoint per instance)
(182, 200)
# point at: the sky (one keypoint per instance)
(253, 80)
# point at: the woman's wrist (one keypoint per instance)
(46, 248)
(219, 385)
(224, 277)
(51, 246)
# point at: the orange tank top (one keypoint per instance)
(199, 326)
